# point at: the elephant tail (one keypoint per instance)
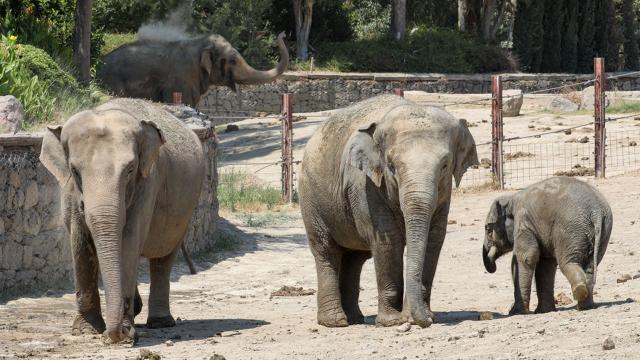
(599, 227)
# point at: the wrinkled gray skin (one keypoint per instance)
(152, 69)
(376, 176)
(130, 175)
(558, 221)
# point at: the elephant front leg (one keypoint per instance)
(522, 274)
(388, 258)
(159, 311)
(351, 269)
(85, 269)
(437, 234)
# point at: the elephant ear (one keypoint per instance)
(499, 211)
(363, 153)
(52, 155)
(466, 155)
(149, 146)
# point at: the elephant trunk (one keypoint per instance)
(105, 221)
(489, 258)
(418, 198)
(245, 74)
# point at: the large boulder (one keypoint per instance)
(588, 98)
(11, 114)
(511, 102)
(562, 104)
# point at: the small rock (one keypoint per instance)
(583, 140)
(633, 143)
(217, 357)
(584, 158)
(563, 299)
(452, 222)
(232, 127)
(486, 315)
(512, 102)
(567, 132)
(636, 276)
(146, 354)
(485, 120)
(541, 331)
(11, 114)
(485, 163)
(624, 278)
(561, 104)
(531, 126)
(169, 343)
(453, 338)
(481, 333)
(608, 344)
(404, 328)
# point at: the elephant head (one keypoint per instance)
(223, 65)
(498, 227)
(101, 157)
(411, 156)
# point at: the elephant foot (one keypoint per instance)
(545, 308)
(160, 322)
(355, 317)
(518, 310)
(586, 304)
(580, 292)
(333, 319)
(137, 304)
(88, 324)
(394, 318)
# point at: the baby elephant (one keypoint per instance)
(558, 221)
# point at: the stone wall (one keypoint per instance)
(325, 91)
(34, 245)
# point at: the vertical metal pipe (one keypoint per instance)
(497, 136)
(287, 147)
(599, 117)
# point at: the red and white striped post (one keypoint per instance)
(599, 117)
(497, 135)
(287, 147)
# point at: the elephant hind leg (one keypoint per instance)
(578, 280)
(159, 312)
(545, 279)
(351, 268)
(587, 302)
(137, 303)
(328, 257)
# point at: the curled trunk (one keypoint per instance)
(245, 74)
(489, 259)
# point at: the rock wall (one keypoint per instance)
(34, 245)
(325, 91)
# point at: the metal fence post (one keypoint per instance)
(599, 117)
(399, 92)
(287, 147)
(497, 137)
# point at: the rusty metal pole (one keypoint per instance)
(599, 117)
(399, 92)
(497, 136)
(177, 98)
(287, 147)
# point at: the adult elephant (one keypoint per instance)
(153, 69)
(376, 176)
(122, 170)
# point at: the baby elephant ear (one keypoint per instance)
(52, 154)
(362, 153)
(149, 146)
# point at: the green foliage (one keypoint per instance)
(369, 19)
(570, 36)
(114, 41)
(238, 191)
(46, 91)
(528, 34)
(630, 28)
(553, 23)
(586, 36)
(265, 219)
(624, 107)
(424, 50)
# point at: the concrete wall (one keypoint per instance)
(34, 244)
(325, 91)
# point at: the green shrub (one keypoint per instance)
(38, 63)
(238, 191)
(114, 41)
(424, 50)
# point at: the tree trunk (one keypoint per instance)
(399, 19)
(82, 41)
(462, 15)
(302, 14)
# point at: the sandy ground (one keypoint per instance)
(227, 308)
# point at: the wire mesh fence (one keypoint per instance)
(622, 153)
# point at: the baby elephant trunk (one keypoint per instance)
(578, 280)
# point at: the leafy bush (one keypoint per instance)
(114, 41)
(46, 91)
(424, 50)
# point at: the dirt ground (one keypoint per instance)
(228, 308)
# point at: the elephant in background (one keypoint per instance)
(558, 221)
(154, 69)
(376, 176)
(122, 170)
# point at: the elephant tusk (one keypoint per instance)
(492, 253)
